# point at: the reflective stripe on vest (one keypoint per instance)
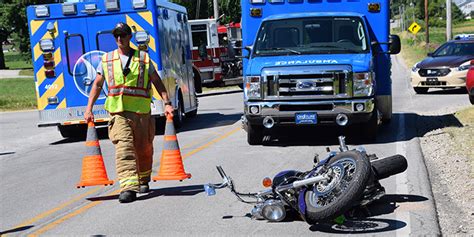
(127, 93)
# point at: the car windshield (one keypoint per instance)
(455, 49)
(316, 35)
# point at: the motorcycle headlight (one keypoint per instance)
(252, 87)
(363, 84)
(415, 67)
(465, 66)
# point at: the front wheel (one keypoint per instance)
(254, 135)
(471, 98)
(348, 174)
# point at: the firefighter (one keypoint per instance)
(129, 74)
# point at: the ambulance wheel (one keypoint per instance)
(178, 112)
(254, 135)
(192, 113)
(72, 131)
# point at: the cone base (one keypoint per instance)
(94, 183)
(172, 177)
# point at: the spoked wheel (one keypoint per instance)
(348, 173)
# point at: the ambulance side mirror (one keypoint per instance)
(394, 46)
(248, 49)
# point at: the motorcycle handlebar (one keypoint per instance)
(386, 167)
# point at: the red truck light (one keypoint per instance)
(48, 64)
(49, 73)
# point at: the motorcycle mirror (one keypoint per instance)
(316, 158)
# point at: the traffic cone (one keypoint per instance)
(93, 168)
(171, 165)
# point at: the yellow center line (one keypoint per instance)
(90, 205)
(47, 213)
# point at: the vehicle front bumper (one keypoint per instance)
(453, 79)
(326, 116)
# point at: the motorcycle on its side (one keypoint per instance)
(342, 181)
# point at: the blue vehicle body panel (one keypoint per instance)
(376, 23)
(82, 38)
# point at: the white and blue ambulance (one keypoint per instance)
(316, 62)
(68, 40)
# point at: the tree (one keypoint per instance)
(230, 8)
(13, 24)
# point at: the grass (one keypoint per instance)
(17, 94)
(223, 88)
(464, 136)
(14, 60)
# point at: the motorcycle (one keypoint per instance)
(342, 181)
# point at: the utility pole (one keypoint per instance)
(448, 20)
(216, 9)
(400, 23)
(427, 26)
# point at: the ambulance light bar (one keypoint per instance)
(137, 4)
(257, 1)
(42, 11)
(142, 37)
(276, 1)
(46, 45)
(112, 5)
(69, 9)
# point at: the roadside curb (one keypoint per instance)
(219, 93)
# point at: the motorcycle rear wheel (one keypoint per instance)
(325, 201)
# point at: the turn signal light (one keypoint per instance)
(49, 73)
(267, 182)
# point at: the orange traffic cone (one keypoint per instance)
(171, 165)
(93, 168)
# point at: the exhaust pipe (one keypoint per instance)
(268, 122)
(342, 119)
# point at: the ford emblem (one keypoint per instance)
(304, 84)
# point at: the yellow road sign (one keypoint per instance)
(414, 28)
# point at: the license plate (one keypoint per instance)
(431, 79)
(306, 118)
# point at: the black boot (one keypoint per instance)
(144, 188)
(127, 196)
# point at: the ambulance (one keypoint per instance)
(68, 40)
(316, 63)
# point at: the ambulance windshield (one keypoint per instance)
(316, 35)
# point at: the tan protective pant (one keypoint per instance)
(133, 136)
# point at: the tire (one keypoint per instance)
(254, 135)
(386, 167)
(197, 81)
(369, 129)
(421, 90)
(241, 85)
(178, 117)
(471, 99)
(192, 113)
(72, 131)
(356, 183)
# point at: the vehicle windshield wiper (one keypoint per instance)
(334, 47)
(287, 49)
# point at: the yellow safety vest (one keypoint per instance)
(127, 93)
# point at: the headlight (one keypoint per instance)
(464, 66)
(252, 87)
(415, 67)
(363, 84)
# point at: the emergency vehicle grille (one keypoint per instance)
(434, 72)
(307, 85)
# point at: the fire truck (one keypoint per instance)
(68, 40)
(211, 46)
(316, 63)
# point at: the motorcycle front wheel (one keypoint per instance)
(349, 172)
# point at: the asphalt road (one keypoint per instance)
(40, 171)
